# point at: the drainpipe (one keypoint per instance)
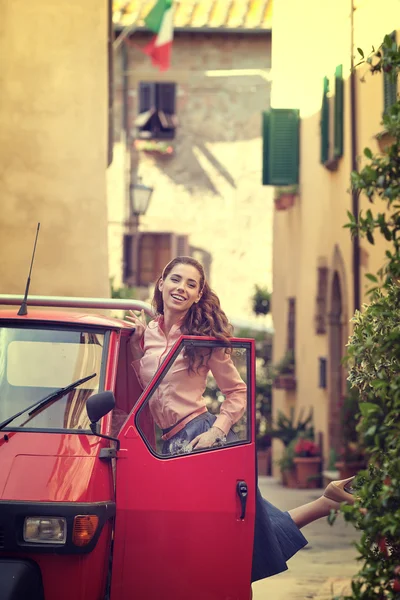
(110, 76)
(354, 167)
(125, 89)
(126, 122)
(131, 220)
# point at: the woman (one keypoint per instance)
(186, 305)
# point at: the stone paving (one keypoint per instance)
(323, 569)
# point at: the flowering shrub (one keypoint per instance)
(306, 448)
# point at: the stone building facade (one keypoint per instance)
(207, 179)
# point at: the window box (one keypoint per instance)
(285, 198)
(285, 382)
(154, 147)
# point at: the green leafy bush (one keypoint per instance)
(374, 360)
(374, 364)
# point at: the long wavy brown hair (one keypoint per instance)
(205, 317)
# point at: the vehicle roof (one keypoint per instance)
(63, 318)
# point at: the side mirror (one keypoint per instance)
(99, 405)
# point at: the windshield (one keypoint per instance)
(36, 362)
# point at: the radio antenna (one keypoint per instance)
(23, 309)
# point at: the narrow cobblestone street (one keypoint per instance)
(324, 568)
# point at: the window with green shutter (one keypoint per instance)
(389, 85)
(338, 120)
(281, 127)
(265, 148)
(331, 124)
(324, 124)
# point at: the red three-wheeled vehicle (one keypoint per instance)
(90, 508)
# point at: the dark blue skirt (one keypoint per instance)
(276, 536)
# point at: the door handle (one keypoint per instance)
(242, 491)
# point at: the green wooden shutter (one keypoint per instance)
(338, 122)
(324, 123)
(281, 128)
(265, 148)
(389, 86)
(389, 91)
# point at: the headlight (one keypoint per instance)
(45, 530)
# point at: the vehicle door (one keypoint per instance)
(185, 521)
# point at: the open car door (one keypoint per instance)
(185, 522)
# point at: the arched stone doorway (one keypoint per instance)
(338, 332)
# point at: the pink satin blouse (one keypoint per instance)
(179, 397)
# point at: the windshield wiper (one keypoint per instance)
(39, 404)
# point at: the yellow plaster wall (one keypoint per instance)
(53, 146)
(319, 35)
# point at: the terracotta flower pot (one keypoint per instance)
(308, 470)
(289, 479)
(264, 461)
(285, 201)
(348, 469)
(385, 140)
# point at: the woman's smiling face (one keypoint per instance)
(181, 288)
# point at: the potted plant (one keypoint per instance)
(288, 429)
(284, 373)
(307, 460)
(261, 301)
(285, 197)
(287, 467)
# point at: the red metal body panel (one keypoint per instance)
(178, 532)
(168, 510)
(53, 467)
(64, 467)
(64, 318)
(79, 577)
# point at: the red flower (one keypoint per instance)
(306, 448)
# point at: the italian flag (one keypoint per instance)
(160, 21)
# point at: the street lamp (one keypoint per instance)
(139, 195)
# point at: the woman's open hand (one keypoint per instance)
(207, 439)
(139, 325)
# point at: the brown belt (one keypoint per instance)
(171, 431)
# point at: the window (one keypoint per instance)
(170, 388)
(51, 359)
(281, 147)
(157, 118)
(127, 387)
(331, 124)
(321, 300)
(291, 344)
(389, 84)
(146, 254)
(325, 123)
